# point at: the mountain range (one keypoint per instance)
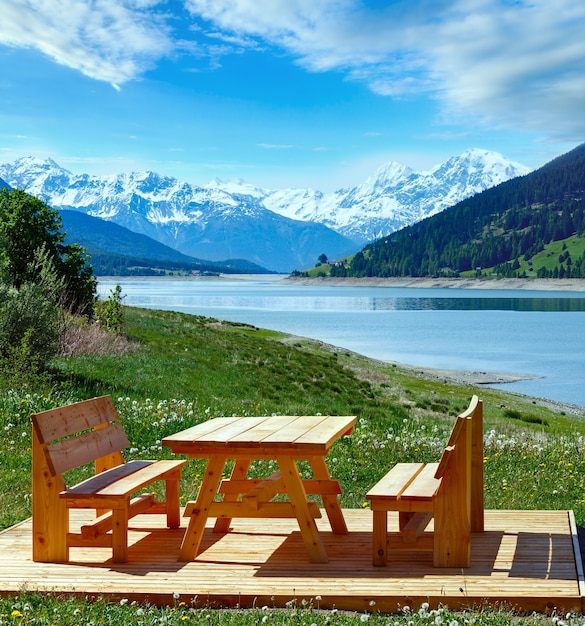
(281, 230)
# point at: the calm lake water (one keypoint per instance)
(520, 332)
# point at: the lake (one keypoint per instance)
(532, 333)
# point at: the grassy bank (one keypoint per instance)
(187, 369)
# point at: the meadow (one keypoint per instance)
(180, 370)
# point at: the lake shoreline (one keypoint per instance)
(576, 285)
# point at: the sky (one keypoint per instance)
(288, 93)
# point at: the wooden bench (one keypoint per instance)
(75, 435)
(449, 492)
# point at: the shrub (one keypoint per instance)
(110, 313)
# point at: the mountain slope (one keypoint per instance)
(116, 248)
(497, 229)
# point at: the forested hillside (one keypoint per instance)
(509, 230)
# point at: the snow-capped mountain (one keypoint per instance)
(203, 222)
(396, 196)
(278, 229)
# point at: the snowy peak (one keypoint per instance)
(35, 174)
(396, 196)
(388, 176)
(480, 165)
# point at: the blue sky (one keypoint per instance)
(288, 93)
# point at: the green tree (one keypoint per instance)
(28, 225)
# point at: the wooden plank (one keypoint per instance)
(295, 429)
(391, 486)
(312, 486)
(157, 470)
(324, 433)
(221, 436)
(263, 431)
(264, 509)
(68, 454)
(73, 418)
(198, 431)
(100, 482)
(424, 486)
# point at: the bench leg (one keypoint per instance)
(452, 536)
(120, 519)
(50, 515)
(50, 529)
(380, 538)
(172, 502)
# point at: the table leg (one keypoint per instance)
(331, 503)
(200, 512)
(239, 472)
(293, 485)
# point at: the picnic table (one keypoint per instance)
(285, 439)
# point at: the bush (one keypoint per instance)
(31, 323)
(110, 313)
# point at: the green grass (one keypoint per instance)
(48, 609)
(547, 258)
(189, 369)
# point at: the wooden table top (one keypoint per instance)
(313, 434)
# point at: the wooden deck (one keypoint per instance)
(526, 560)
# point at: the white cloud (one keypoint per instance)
(109, 40)
(509, 63)
(521, 65)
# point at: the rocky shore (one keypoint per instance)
(523, 284)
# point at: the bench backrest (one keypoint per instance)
(463, 459)
(80, 433)
(457, 438)
(468, 424)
